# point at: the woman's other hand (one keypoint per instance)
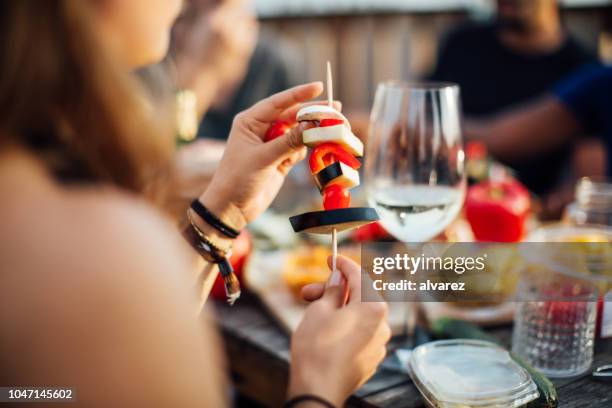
(251, 172)
(337, 348)
(213, 42)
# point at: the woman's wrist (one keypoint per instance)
(299, 386)
(308, 401)
(218, 203)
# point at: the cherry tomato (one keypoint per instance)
(276, 129)
(330, 122)
(334, 197)
(327, 153)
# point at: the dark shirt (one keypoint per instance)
(493, 77)
(265, 76)
(588, 95)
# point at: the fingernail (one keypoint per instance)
(335, 279)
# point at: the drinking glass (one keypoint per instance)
(414, 166)
(554, 323)
(593, 204)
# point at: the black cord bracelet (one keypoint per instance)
(298, 399)
(213, 220)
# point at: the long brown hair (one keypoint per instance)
(64, 98)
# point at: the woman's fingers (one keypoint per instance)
(287, 145)
(351, 272)
(313, 291)
(271, 108)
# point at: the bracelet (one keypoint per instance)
(205, 247)
(307, 397)
(213, 220)
(211, 253)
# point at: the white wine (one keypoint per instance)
(416, 213)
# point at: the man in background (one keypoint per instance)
(577, 105)
(517, 57)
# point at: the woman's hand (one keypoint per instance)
(212, 46)
(251, 172)
(337, 348)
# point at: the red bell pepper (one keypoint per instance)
(334, 197)
(497, 210)
(330, 122)
(327, 153)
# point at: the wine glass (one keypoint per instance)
(414, 166)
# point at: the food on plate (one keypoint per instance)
(308, 264)
(304, 266)
(498, 210)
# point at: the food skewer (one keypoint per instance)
(330, 103)
(334, 165)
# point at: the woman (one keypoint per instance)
(96, 290)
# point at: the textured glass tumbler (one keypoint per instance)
(556, 336)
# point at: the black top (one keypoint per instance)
(493, 77)
(266, 75)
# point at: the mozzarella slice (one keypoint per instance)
(337, 134)
(320, 112)
(338, 173)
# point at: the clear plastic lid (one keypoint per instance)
(469, 373)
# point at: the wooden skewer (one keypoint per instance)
(330, 86)
(330, 103)
(334, 248)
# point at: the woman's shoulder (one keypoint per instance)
(97, 280)
(68, 230)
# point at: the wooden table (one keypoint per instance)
(258, 352)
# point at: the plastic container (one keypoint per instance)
(469, 373)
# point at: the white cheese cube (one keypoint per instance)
(337, 134)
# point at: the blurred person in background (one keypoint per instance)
(98, 287)
(578, 105)
(218, 42)
(517, 57)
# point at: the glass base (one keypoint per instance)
(563, 373)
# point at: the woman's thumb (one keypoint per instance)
(336, 295)
(283, 146)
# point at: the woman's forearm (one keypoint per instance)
(194, 225)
